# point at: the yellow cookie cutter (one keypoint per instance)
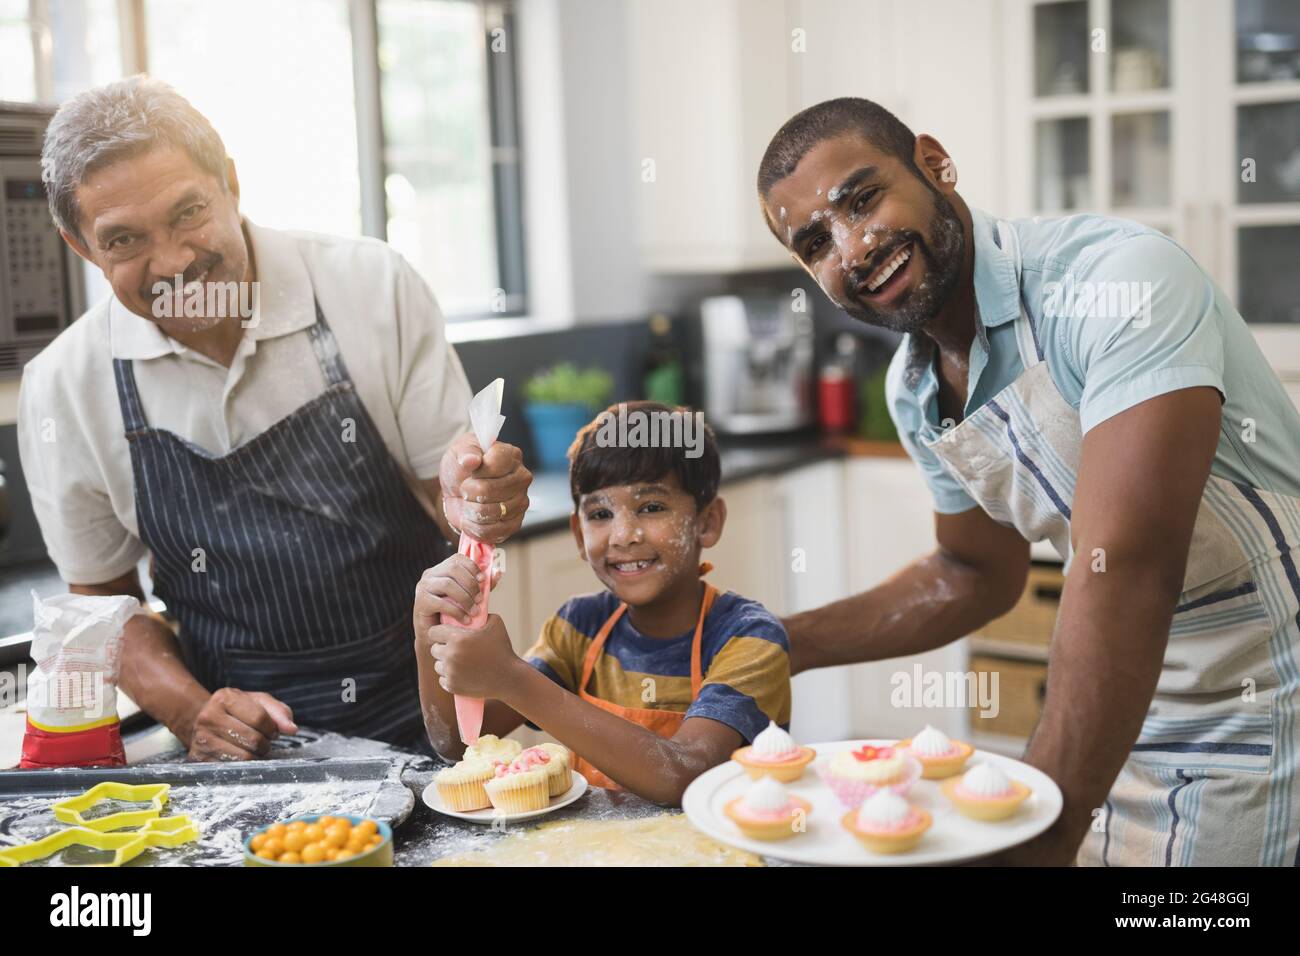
(155, 794)
(169, 832)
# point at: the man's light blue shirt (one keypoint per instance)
(1123, 314)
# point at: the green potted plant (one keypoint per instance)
(557, 402)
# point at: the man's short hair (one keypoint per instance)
(109, 123)
(847, 115)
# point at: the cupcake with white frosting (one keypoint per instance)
(940, 756)
(774, 754)
(887, 823)
(461, 787)
(985, 792)
(767, 811)
(492, 748)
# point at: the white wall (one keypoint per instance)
(580, 169)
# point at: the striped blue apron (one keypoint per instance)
(1212, 777)
(291, 561)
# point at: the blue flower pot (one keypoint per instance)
(554, 427)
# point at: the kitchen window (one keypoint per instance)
(450, 150)
(389, 118)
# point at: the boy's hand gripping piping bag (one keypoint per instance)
(486, 419)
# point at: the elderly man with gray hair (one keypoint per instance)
(291, 452)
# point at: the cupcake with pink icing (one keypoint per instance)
(774, 754)
(886, 823)
(941, 757)
(855, 775)
(768, 811)
(520, 785)
(551, 759)
(985, 792)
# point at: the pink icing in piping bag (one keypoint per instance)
(469, 710)
(486, 418)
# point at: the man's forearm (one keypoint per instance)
(929, 603)
(1105, 660)
(154, 675)
(152, 672)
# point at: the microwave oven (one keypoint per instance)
(41, 280)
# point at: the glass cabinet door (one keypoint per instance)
(1264, 217)
(1103, 109)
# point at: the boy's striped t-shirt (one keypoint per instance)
(744, 656)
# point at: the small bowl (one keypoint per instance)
(381, 855)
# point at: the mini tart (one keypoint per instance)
(985, 808)
(942, 767)
(461, 788)
(889, 841)
(785, 771)
(519, 792)
(559, 771)
(775, 828)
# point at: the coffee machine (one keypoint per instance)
(758, 363)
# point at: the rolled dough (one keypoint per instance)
(667, 840)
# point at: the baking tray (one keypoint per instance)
(227, 801)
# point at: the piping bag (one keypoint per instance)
(486, 419)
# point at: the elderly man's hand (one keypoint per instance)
(484, 495)
(239, 725)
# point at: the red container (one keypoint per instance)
(836, 400)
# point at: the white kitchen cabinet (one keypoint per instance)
(923, 71)
(811, 521)
(713, 82)
(748, 557)
(1181, 114)
(709, 88)
(555, 573)
(890, 521)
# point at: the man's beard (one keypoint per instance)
(942, 253)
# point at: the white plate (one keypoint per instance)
(951, 838)
(434, 802)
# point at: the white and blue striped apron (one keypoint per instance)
(290, 562)
(1212, 778)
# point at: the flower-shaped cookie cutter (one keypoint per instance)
(126, 845)
(72, 810)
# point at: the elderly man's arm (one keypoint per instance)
(229, 724)
(976, 574)
(1138, 491)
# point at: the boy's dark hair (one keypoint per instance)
(593, 466)
(826, 120)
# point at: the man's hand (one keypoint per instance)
(475, 487)
(239, 725)
(476, 663)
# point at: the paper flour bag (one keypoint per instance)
(72, 691)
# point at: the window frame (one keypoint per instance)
(503, 121)
(504, 128)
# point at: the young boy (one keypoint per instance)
(650, 682)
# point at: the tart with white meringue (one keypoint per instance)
(768, 811)
(887, 823)
(774, 754)
(941, 756)
(985, 792)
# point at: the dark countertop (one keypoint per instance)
(420, 835)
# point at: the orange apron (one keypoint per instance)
(665, 723)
